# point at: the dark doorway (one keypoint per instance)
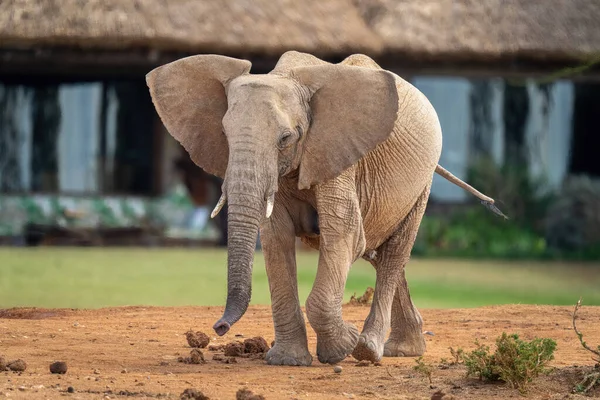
(586, 130)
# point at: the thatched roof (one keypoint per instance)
(447, 30)
(224, 26)
(486, 29)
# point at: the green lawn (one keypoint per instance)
(95, 277)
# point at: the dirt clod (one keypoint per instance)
(216, 347)
(192, 394)
(245, 394)
(440, 395)
(196, 357)
(17, 365)
(224, 360)
(365, 299)
(256, 345)
(234, 349)
(58, 367)
(197, 339)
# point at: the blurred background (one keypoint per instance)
(100, 206)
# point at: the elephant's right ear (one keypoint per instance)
(189, 96)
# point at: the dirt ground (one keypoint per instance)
(133, 352)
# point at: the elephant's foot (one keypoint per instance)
(335, 347)
(369, 348)
(405, 348)
(288, 354)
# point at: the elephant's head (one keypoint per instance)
(252, 129)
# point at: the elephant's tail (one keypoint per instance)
(485, 200)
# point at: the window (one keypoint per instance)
(80, 138)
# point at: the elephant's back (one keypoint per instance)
(391, 178)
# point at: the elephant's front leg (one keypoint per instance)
(278, 242)
(341, 243)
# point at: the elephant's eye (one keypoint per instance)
(285, 139)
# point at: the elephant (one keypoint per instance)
(350, 145)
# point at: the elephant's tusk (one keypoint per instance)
(219, 205)
(270, 202)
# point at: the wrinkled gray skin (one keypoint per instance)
(349, 142)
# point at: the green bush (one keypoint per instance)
(424, 369)
(515, 361)
(542, 224)
(590, 379)
(476, 233)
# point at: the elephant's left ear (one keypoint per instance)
(353, 110)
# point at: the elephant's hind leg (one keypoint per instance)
(406, 338)
(392, 305)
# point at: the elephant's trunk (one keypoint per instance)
(242, 229)
(246, 190)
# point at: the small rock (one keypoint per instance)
(124, 371)
(3, 364)
(17, 365)
(70, 389)
(216, 347)
(429, 333)
(96, 371)
(273, 343)
(197, 339)
(22, 388)
(363, 363)
(337, 369)
(58, 367)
